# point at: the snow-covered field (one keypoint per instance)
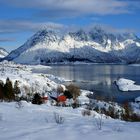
(36, 122)
(127, 85)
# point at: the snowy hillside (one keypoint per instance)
(28, 81)
(3, 53)
(34, 122)
(94, 45)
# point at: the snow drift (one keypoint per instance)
(127, 85)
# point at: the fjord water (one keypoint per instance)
(99, 78)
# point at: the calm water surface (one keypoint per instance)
(99, 78)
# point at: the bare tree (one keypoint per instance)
(58, 118)
(19, 105)
(99, 121)
(74, 90)
(1, 117)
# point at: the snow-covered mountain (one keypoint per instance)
(3, 53)
(94, 45)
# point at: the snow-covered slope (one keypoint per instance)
(3, 53)
(28, 82)
(95, 45)
(34, 122)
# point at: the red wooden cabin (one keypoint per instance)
(44, 99)
(61, 98)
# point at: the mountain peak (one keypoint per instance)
(3, 52)
(95, 45)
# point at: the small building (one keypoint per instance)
(61, 98)
(45, 99)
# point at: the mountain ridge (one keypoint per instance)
(95, 45)
(3, 53)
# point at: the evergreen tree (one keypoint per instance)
(68, 94)
(8, 90)
(1, 90)
(37, 99)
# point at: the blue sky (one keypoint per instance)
(20, 19)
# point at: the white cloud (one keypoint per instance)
(54, 8)
(12, 26)
(7, 39)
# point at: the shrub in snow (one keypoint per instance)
(1, 117)
(23, 98)
(74, 91)
(76, 104)
(110, 112)
(29, 97)
(127, 112)
(111, 109)
(129, 115)
(19, 105)
(96, 109)
(58, 118)
(46, 120)
(135, 117)
(60, 89)
(37, 99)
(86, 112)
(99, 121)
(16, 89)
(117, 128)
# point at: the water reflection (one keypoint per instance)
(99, 78)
